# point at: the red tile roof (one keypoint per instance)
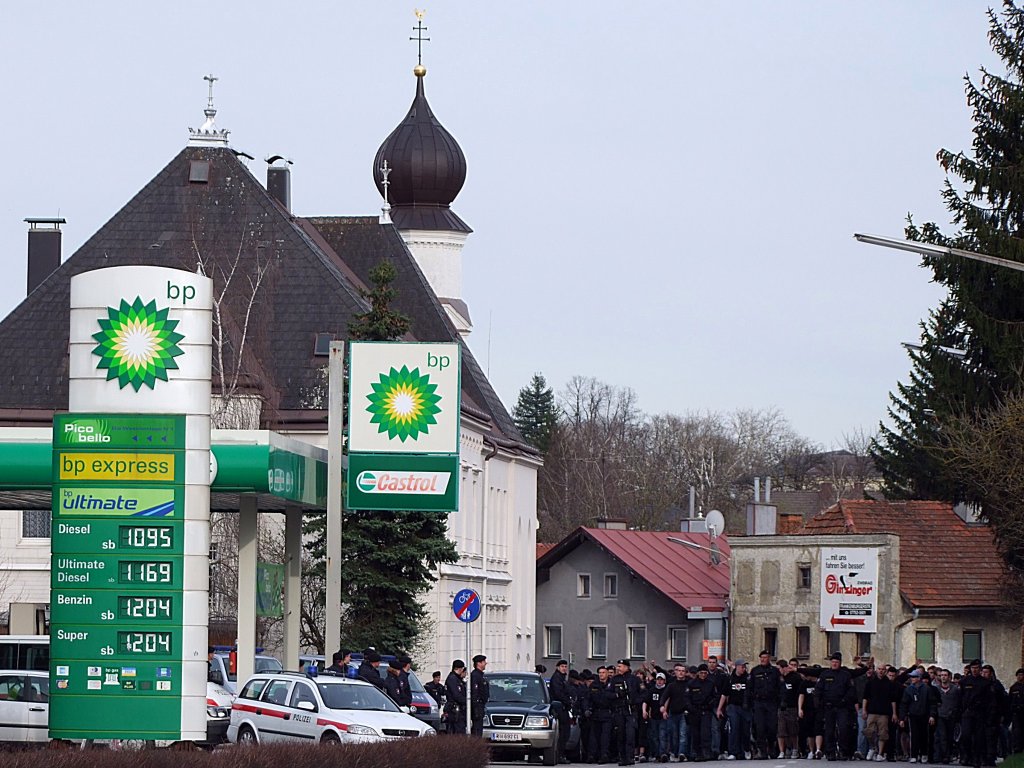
(944, 562)
(681, 573)
(542, 549)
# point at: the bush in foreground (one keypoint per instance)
(440, 752)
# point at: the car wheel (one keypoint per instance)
(548, 756)
(247, 736)
(330, 737)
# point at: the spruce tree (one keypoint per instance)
(535, 414)
(388, 558)
(971, 355)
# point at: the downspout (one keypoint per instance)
(895, 632)
(483, 544)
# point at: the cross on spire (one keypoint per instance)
(211, 80)
(419, 29)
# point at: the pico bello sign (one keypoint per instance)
(131, 510)
(403, 441)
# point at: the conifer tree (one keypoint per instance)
(388, 558)
(971, 354)
(535, 414)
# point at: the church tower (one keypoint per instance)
(419, 170)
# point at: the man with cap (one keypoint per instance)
(975, 703)
(918, 709)
(435, 688)
(1016, 694)
(733, 703)
(625, 709)
(368, 670)
(480, 692)
(339, 662)
(996, 714)
(601, 701)
(702, 698)
(455, 695)
(788, 730)
(764, 688)
(657, 734)
(720, 677)
(837, 695)
(559, 689)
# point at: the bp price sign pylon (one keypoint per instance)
(403, 434)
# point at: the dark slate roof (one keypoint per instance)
(313, 285)
(681, 573)
(361, 242)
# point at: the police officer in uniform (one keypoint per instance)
(436, 688)
(455, 695)
(702, 696)
(601, 701)
(1016, 694)
(559, 689)
(975, 703)
(627, 704)
(836, 696)
(764, 688)
(480, 692)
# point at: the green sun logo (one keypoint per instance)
(137, 344)
(403, 404)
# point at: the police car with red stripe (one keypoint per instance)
(325, 708)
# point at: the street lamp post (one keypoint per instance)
(927, 249)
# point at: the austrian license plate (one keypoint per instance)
(499, 736)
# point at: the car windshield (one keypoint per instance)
(355, 696)
(516, 689)
(267, 664)
(415, 685)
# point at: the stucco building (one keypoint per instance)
(939, 594)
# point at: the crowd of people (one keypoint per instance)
(787, 709)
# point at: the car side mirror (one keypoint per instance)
(215, 677)
(309, 706)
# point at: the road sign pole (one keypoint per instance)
(469, 683)
(335, 433)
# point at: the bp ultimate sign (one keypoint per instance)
(404, 403)
(131, 506)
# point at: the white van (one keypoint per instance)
(24, 706)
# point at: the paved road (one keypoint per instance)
(801, 763)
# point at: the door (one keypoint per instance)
(13, 709)
(36, 695)
(304, 719)
(273, 717)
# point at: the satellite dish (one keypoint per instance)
(715, 522)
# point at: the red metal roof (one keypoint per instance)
(542, 549)
(944, 562)
(681, 573)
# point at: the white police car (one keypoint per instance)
(289, 706)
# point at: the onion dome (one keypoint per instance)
(426, 169)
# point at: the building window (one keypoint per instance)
(972, 645)
(803, 642)
(636, 641)
(582, 585)
(803, 577)
(678, 642)
(864, 644)
(598, 642)
(611, 585)
(553, 641)
(35, 524)
(833, 642)
(199, 171)
(771, 641)
(925, 646)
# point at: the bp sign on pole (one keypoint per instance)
(849, 589)
(403, 436)
(130, 543)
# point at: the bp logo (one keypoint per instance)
(403, 404)
(137, 344)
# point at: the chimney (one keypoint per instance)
(768, 490)
(43, 249)
(757, 490)
(279, 181)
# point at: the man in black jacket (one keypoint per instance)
(455, 695)
(836, 696)
(625, 709)
(763, 691)
(1016, 695)
(480, 692)
(559, 689)
(601, 701)
(339, 662)
(734, 704)
(975, 703)
(702, 697)
(368, 669)
(436, 688)
(918, 709)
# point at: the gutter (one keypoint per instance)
(895, 633)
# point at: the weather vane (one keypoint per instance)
(419, 29)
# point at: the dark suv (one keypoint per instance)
(520, 717)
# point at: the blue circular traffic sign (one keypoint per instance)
(466, 605)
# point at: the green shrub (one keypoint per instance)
(439, 752)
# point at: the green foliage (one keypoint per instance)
(388, 558)
(972, 346)
(535, 413)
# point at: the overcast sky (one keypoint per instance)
(663, 193)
